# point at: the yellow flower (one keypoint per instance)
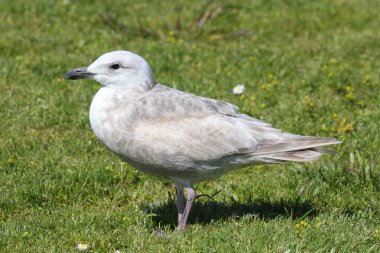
(309, 102)
(170, 37)
(349, 96)
(345, 126)
(304, 223)
(300, 225)
(376, 233)
(366, 78)
(333, 61)
(350, 93)
(272, 78)
(11, 162)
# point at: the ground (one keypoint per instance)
(309, 67)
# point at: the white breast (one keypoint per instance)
(110, 116)
(100, 105)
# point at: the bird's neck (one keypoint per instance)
(134, 86)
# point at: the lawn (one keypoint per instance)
(309, 67)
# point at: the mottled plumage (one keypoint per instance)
(169, 133)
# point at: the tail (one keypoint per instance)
(275, 146)
(293, 148)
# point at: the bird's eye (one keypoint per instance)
(115, 66)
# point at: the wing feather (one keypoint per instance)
(188, 127)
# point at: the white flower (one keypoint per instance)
(82, 246)
(117, 251)
(238, 89)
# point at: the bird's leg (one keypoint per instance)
(189, 203)
(180, 202)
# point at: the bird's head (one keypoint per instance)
(117, 68)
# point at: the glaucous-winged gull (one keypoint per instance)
(169, 133)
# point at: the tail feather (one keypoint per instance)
(275, 146)
(294, 143)
(300, 149)
(296, 156)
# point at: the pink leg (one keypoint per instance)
(189, 203)
(180, 202)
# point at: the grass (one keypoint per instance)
(310, 67)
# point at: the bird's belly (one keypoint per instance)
(192, 173)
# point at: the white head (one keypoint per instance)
(117, 68)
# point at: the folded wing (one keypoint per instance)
(189, 128)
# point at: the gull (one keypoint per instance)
(173, 134)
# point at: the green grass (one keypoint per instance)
(310, 67)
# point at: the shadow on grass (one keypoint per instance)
(205, 212)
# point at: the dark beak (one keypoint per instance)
(78, 73)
